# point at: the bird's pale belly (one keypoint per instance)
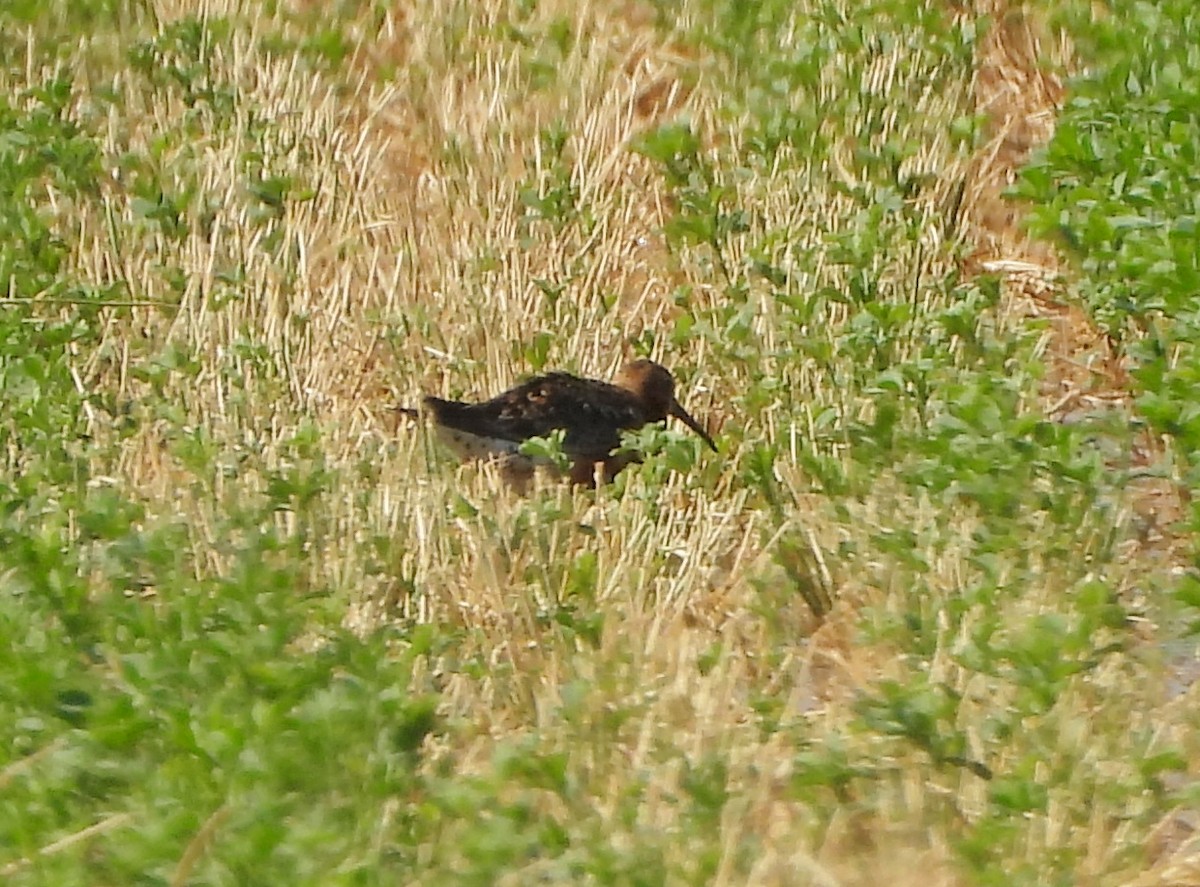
(475, 446)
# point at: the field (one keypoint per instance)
(929, 272)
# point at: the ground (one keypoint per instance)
(917, 621)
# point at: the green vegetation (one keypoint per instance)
(258, 636)
(1118, 188)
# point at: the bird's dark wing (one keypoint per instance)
(592, 413)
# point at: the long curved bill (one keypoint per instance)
(682, 415)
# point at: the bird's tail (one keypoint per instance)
(442, 411)
(432, 406)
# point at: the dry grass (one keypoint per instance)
(411, 269)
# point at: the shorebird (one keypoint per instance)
(590, 413)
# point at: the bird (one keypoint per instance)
(590, 413)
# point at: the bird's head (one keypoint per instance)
(653, 385)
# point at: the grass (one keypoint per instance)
(909, 624)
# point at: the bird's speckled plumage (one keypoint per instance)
(591, 413)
